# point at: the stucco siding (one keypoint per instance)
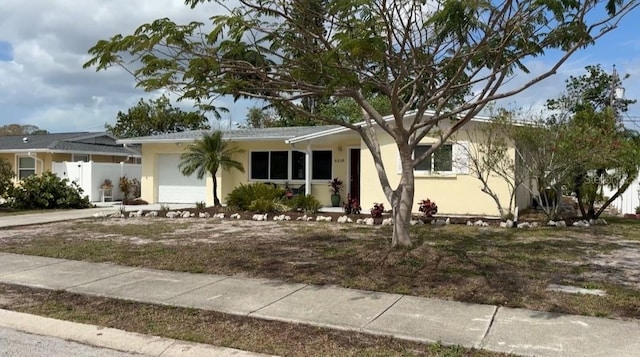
(455, 193)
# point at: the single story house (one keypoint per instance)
(312, 156)
(96, 157)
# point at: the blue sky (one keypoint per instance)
(6, 51)
(42, 52)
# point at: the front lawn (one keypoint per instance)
(506, 267)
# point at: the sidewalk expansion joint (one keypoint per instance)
(194, 289)
(166, 349)
(103, 278)
(381, 313)
(278, 300)
(486, 333)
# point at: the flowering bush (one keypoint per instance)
(351, 205)
(377, 210)
(428, 208)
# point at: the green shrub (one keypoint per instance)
(6, 174)
(47, 191)
(262, 205)
(242, 196)
(201, 205)
(307, 204)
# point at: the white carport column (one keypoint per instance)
(307, 167)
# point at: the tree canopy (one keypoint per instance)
(155, 117)
(19, 129)
(436, 62)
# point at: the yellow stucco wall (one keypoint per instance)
(458, 193)
(229, 179)
(454, 193)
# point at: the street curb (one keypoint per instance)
(112, 338)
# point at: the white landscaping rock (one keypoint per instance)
(448, 221)
(172, 214)
(204, 215)
(552, 223)
(561, 224)
(260, 217)
(503, 224)
(524, 225)
(581, 224)
(342, 219)
(416, 222)
(438, 222)
(509, 223)
(387, 222)
(218, 216)
(360, 221)
(186, 214)
(151, 214)
(369, 221)
(235, 216)
(478, 223)
(469, 223)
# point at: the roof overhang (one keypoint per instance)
(334, 131)
(53, 151)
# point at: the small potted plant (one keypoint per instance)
(106, 184)
(335, 186)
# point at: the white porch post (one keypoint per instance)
(307, 166)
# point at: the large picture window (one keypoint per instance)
(440, 161)
(290, 165)
(26, 167)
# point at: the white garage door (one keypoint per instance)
(173, 186)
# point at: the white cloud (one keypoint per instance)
(45, 84)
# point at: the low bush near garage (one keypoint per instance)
(242, 197)
(47, 191)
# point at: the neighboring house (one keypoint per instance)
(312, 156)
(34, 154)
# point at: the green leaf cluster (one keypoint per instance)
(47, 191)
(155, 117)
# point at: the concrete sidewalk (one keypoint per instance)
(419, 319)
(53, 216)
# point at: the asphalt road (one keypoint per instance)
(18, 344)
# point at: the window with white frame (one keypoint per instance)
(81, 157)
(441, 160)
(26, 167)
(289, 165)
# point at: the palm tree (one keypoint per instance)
(208, 154)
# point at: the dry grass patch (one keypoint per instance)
(506, 267)
(215, 328)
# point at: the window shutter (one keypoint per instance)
(461, 157)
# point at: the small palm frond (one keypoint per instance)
(207, 154)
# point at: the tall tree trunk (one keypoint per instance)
(402, 202)
(216, 200)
